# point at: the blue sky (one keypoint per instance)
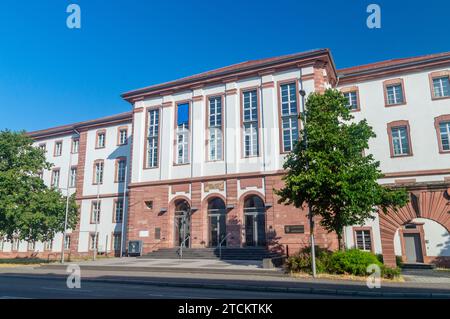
(51, 75)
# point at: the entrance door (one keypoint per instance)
(217, 222)
(217, 226)
(413, 248)
(182, 224)
(255, 221)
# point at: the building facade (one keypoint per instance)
(197, 160)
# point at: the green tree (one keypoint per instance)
(330, 171)
(29, 210)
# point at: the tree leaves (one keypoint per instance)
(330, 170)
(29, 210)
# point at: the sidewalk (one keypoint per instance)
(258, 281)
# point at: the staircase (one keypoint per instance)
(212, 253)
(418, 266)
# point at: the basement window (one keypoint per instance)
(149, 204)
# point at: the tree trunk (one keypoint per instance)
(339, 236)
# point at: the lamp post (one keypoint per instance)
(310, 213)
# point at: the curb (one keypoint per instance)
(314, 291)
(273, 273)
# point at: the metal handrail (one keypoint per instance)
(183, 244)
(220, 245)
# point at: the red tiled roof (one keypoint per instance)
(63, 129)
(388, 63)
(224, 70)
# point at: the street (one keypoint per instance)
(43, 288)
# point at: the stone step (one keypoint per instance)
(418, 266)
(212, 253)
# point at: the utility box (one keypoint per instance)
(134, 248)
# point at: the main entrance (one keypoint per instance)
(217, 222)
(413, 247)
(182, 223)
(255, 222)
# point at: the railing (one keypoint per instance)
(220, 245)
(183, 244)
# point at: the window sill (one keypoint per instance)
(394, 105)
(437, 98)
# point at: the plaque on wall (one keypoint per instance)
(294, 229)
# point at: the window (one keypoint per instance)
(98, 172)
(95, 212)
(117, 238)
(73, 177)
(215, 128)
(394, 92)
(363, 239)
(444, 129)
(149, 204)
(75, 145)
(182, 134)
(289, 116)
(400, 141)
(442, 126)
(41, 174)
(152, 138)
(118, 211)
(250, 123)
(121, 170)
(352, 100)
(58, 148)
(101, 139)
(31, 245)
(123, 136)
(441, 87)
(157, 233)
(67, 242)
(43, 147)
(55, 178)
(15, 244)
(93, 241)
(48, 245)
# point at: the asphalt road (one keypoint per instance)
(42, 288)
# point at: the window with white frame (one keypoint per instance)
(352, 100)
(43, 147)
(95, 214)
(67, 242)
(182, 134)
(98, 172)
(41, 174)
(58, 148)
(48, 245)
(394, 94)
(55, 178)
(117, 241)
(363, 240)
(250, 123)
(31, 245)
(15, 244)
(93, 241)
(441, 86)
(73, 177)
(121, 170)
(289, 116)
(400, 141)
(444, 130)
(101, 139)
(123, 136)
(153, 138)
(118, 214)
(75, 145)
(215, 128)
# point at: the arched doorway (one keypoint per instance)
(255, 221)
(217, 221)
(182, 223)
